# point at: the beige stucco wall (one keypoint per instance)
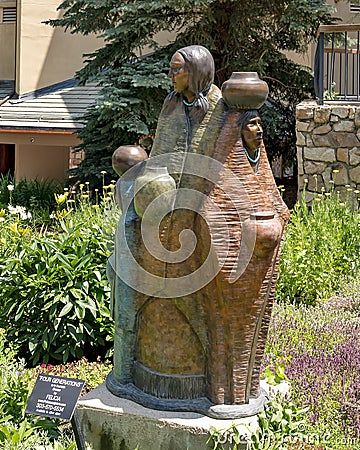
(343, 11)
(7, 51)
(7, 44)
(39, 154)
(46, 55)
(32, 161)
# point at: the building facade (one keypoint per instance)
(40, 102)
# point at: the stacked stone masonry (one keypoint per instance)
(328, 148)
(75, 158)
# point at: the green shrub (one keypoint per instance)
(31, 435)
(13, 382)
(280, 425)
(321, 248)
(54, 295)
(6, 193)
(36, 195)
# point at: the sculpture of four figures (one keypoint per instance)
(197, 248)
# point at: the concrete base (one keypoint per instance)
(112, 423)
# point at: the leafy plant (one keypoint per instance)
(331, 94)
(229, 438)
(275, 374)
(54, 291)
(14, 390)
(36, 194)
(17, 436)
(281, 423)
(320, 249)
(13, 382)
(28, 435)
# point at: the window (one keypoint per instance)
(354, 8)
(8, 15)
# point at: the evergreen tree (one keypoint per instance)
(242, 36)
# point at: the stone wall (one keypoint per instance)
(75, 158)
(328, 147)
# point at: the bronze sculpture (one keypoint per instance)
(203, 285)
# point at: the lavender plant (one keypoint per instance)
(321, 347)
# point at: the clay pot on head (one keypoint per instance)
(127, 156)
(262, 233)
(154, 182)
(244, 90)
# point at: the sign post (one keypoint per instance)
(56, 397)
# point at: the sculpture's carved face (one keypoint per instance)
(180, 76)
(252, 133)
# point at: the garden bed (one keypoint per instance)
(54, 309)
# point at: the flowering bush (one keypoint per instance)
(321, 248)
(93, 372)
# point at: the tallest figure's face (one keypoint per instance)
(178, 74)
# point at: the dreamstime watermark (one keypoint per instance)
(299, 436)
(193, 173)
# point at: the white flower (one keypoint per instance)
(23, 215)
(18, 210)
(10, 187)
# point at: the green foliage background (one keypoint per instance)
(321, 248)
(54, 293)
(241, 37)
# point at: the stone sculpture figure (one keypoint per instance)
(202, 304)
(123, 296)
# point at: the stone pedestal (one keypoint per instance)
(112, 423)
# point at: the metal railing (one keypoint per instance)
(337, 63)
